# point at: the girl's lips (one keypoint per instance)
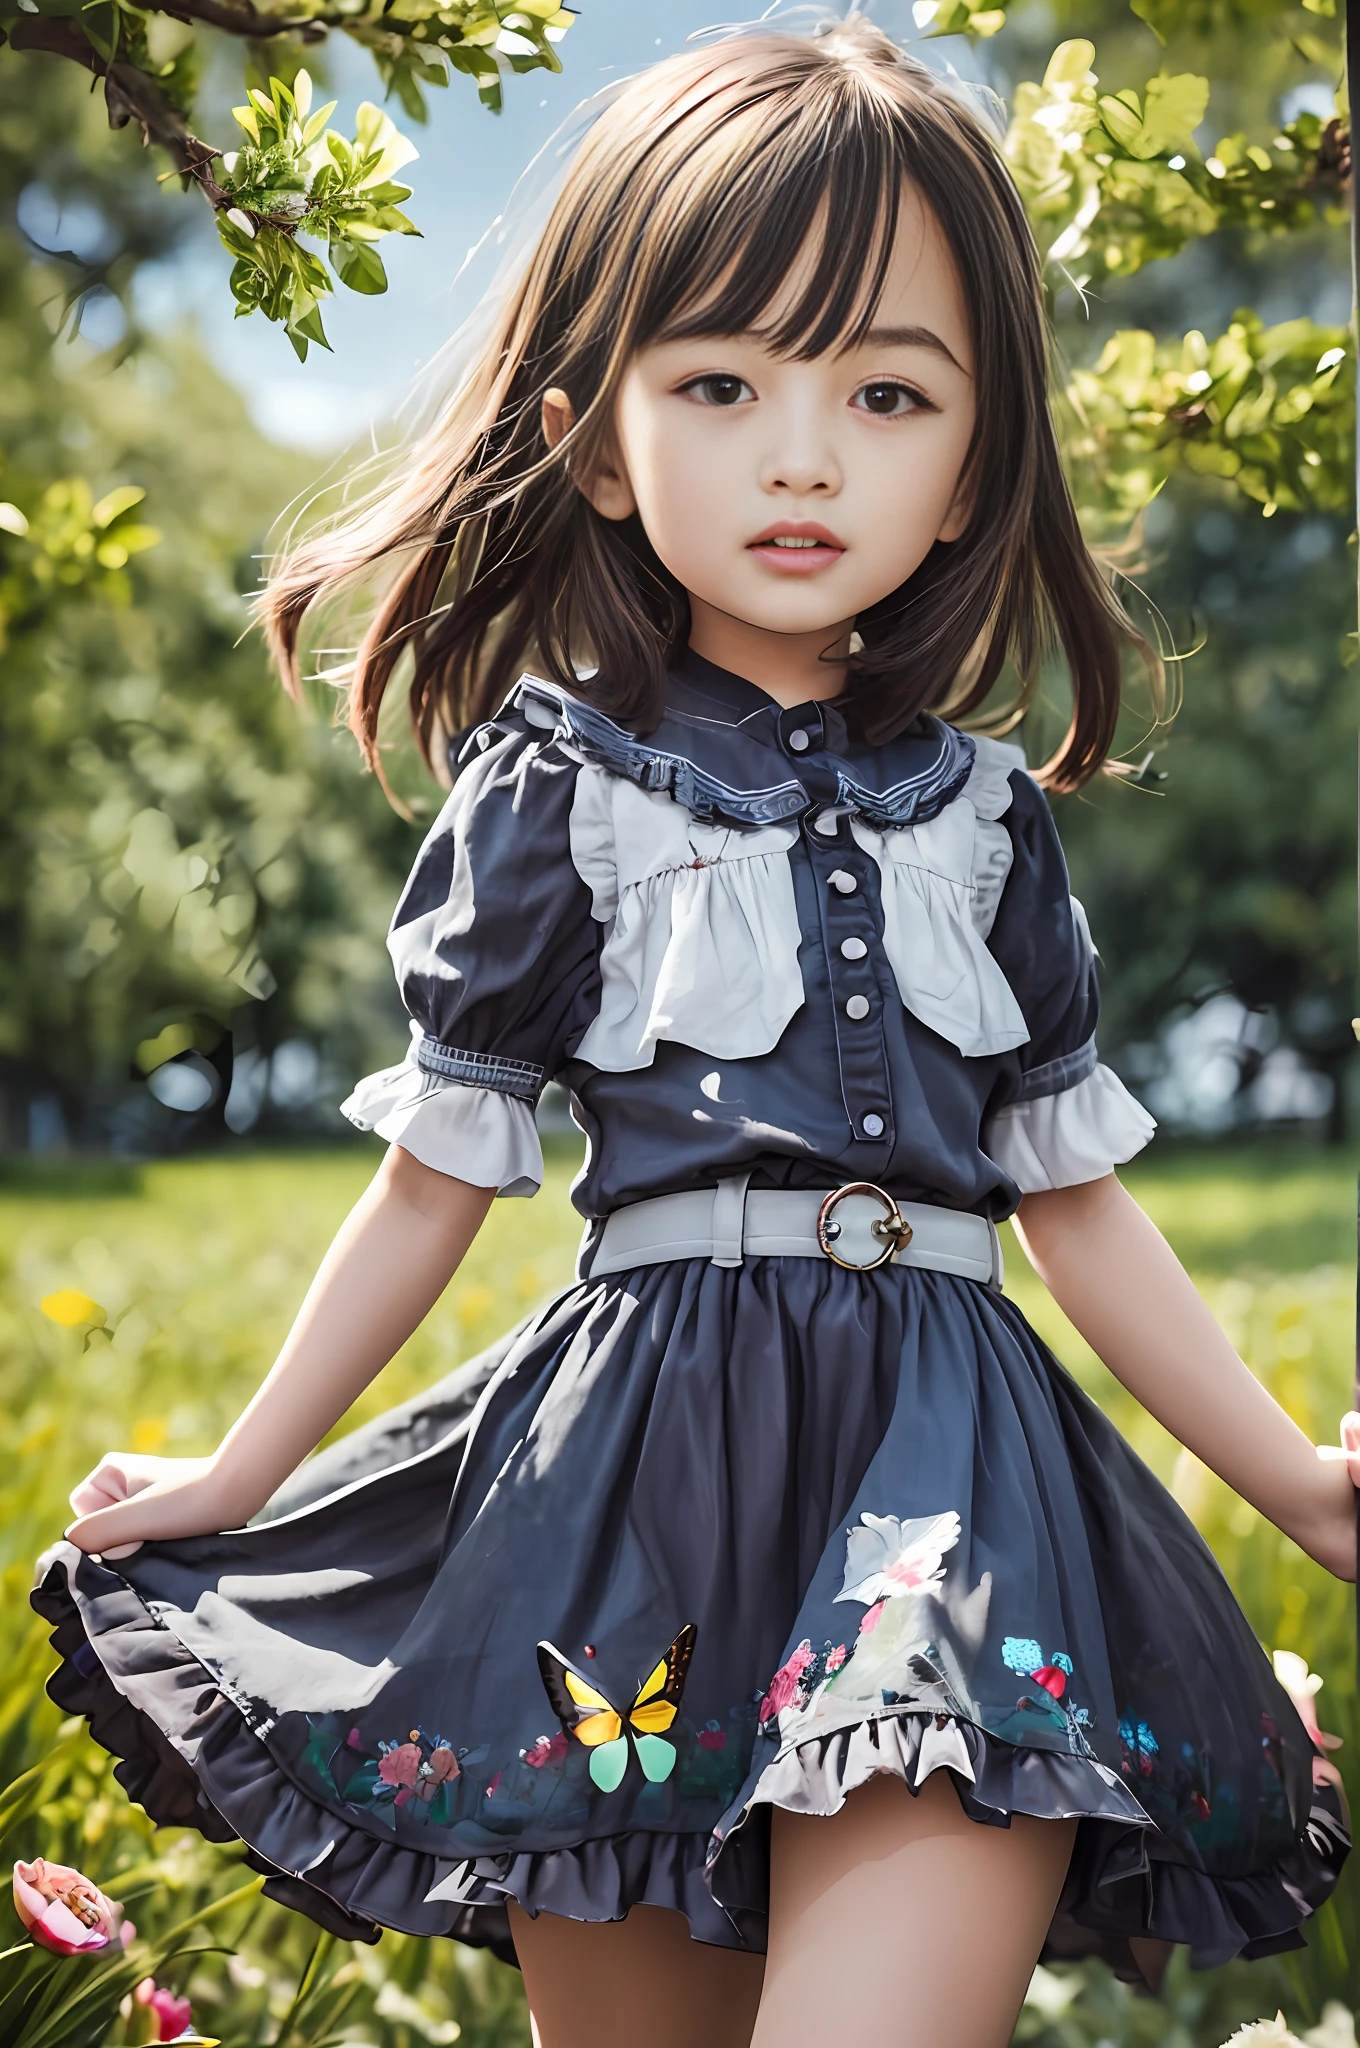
(818, 549)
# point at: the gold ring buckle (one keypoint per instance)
(857, 1230)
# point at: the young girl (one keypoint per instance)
(771, 1604)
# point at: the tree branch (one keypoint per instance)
(245, 21)
(130, 94)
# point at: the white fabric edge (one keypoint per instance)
(701, 938)
(988, 787)
(1064, 1140)
(479, 1135)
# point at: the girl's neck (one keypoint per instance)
(793, 668)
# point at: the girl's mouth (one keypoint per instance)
(797, 547)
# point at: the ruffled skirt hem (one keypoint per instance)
(190, 1755)
(1124, 1900)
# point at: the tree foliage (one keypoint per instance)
(292, 177)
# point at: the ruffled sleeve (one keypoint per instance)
(497, 960)
(1058, 1118)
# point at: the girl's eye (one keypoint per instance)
(721, 388)
(887, 400)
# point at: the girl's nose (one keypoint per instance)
(801, 461)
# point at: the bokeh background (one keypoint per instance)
(195, 875)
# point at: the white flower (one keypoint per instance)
(242, 220)
(886, 1558)
(1264, 2034)
(1294, 1675)
(1337, 2029)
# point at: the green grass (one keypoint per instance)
(199, 1266)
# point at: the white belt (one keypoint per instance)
(859, 1226)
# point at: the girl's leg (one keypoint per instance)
(900, 1923)
(634, 1983)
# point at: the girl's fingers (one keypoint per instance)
(117, 1477)
(94, 1492)
(102, 1528)
(1350, 1443)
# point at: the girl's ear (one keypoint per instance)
(607, 487)
(957, 517)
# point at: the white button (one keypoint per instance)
(799, 742)
(844, 884)
(853, 949)
(872, 1126)
(826, 824)
(857, 1007)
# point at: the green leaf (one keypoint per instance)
(1122, 124)
(116, 503)
(358, 265)
(317, 122)
(1070, 63)
(309, 327)
(1174, 109)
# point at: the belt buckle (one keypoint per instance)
(858, 1230)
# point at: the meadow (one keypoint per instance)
(193, 1269)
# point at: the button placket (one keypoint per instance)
(850, 943)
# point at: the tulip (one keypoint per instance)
(167, 2018)
(63, 1911)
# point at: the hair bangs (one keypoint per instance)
(793, 243)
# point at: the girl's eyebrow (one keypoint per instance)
(910, 337)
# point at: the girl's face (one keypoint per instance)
(786, 496)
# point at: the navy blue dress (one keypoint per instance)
(696, 1541)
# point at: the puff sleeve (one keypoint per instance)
(496, 957)
(1058, 1118)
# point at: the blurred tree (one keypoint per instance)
(1218, 457)
(178, 849)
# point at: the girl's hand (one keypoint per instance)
(1333, 1542)
(129, 1499)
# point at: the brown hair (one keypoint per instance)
(682, 212)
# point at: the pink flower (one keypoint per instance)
(1052, 1678)
(548, 1749)
(712, 1737)
(63, 1911)
(400, 1766)
(442, 1766)
(172, 2015)
(836, 1657)
(784, 1685)
(354, 1740)
(871, 1619)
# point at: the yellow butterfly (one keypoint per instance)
(606, 1730)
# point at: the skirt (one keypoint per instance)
(689, 1544)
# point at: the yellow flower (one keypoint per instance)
(71, 1308)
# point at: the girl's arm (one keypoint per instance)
(391, 1260)
(1116, 1278)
